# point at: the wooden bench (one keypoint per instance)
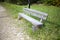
(38, 14)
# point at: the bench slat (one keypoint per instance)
(36, 13)
(33, 21)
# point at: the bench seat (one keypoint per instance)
(32, 20)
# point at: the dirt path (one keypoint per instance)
(8, 28)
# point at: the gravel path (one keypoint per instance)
(8, 28)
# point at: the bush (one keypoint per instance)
(24, 2)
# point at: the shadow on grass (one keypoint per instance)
(57, 25)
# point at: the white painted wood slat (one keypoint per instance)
(32, 20)
(36, 13)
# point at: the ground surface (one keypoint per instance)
(9, 29)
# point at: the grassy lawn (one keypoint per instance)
(13, 9)
(51, 30)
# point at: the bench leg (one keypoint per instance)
(19, 17)
(34, 28)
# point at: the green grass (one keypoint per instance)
(13, 9)
(51, 29)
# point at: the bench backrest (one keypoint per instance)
(41, 15)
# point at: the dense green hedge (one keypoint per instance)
(24, 2)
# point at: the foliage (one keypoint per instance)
(53, 2)
(24, 2)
